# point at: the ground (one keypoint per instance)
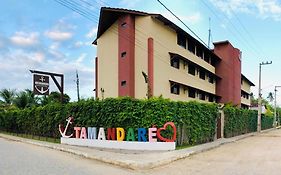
(253, 155)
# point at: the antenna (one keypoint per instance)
(209, 37)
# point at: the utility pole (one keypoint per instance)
(259, 103)
(77, 85)
(275, 116)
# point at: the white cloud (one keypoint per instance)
(129, 3)
(25, 39)
(78, 44)
(92, 33)
(261, 8)
(16, 65)
(191, 18)
(57, 35)
(81, 58)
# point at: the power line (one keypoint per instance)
(182, 23)
(158, 55)
(241, 38)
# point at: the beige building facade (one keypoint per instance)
(141, 55)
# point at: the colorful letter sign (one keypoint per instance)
(120, 134)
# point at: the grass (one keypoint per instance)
(30, 136)
(183, 147)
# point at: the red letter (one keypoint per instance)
(77, 132)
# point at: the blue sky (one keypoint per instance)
(45, 35)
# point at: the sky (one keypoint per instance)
(45, 35)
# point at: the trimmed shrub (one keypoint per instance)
(196, 120)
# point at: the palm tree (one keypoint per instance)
(26, 99)
(270, 96)
(7, 96)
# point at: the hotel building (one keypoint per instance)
(137, 51)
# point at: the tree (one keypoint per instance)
(54, 97)
(270, 97)
(7, 96)
(26, 99)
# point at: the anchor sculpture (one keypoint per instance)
(63, 130)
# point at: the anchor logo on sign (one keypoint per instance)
(63, 130)
(41, 90)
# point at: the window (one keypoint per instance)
(213, 62)
(202, 95)
(175, 62)
(206, 57)
(123, 83)
(191, 92)
(202, 74)
(199, 52)
(191, 69)
(191, 46)
(211, 79)
(211, 98)
(181, 39)
(175, 88)
(123, 54)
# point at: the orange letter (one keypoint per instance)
(120, 134)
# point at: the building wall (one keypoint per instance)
(229, 69)
(245, 86)
(107, 53)
(165, 40)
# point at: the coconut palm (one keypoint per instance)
(7, 96)
(270, 96)
(25, 99)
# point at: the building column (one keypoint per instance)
(150, 66)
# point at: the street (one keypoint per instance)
(20, 159)
(254, 155)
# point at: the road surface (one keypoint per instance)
(260, 154)
(18, 158)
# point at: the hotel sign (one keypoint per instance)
(119, 138)
(40, 84)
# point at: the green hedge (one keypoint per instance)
(196, 120)
(241, 121)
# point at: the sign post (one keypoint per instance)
(41, 82)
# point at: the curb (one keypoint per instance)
(159, 159)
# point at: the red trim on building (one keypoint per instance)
(96, 74)
(126, 56)
(229, 69)
(150, 65)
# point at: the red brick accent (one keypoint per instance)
(96, 79)
(150, 64)
(126, 64)
(229, 69)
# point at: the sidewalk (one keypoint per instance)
(132, 159)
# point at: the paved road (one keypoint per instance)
(24, 159)
(258, 155)
(254, 155)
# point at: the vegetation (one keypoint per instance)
(196, 120)
(26, 99)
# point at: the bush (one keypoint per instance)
(240, 121)
(196, 120)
